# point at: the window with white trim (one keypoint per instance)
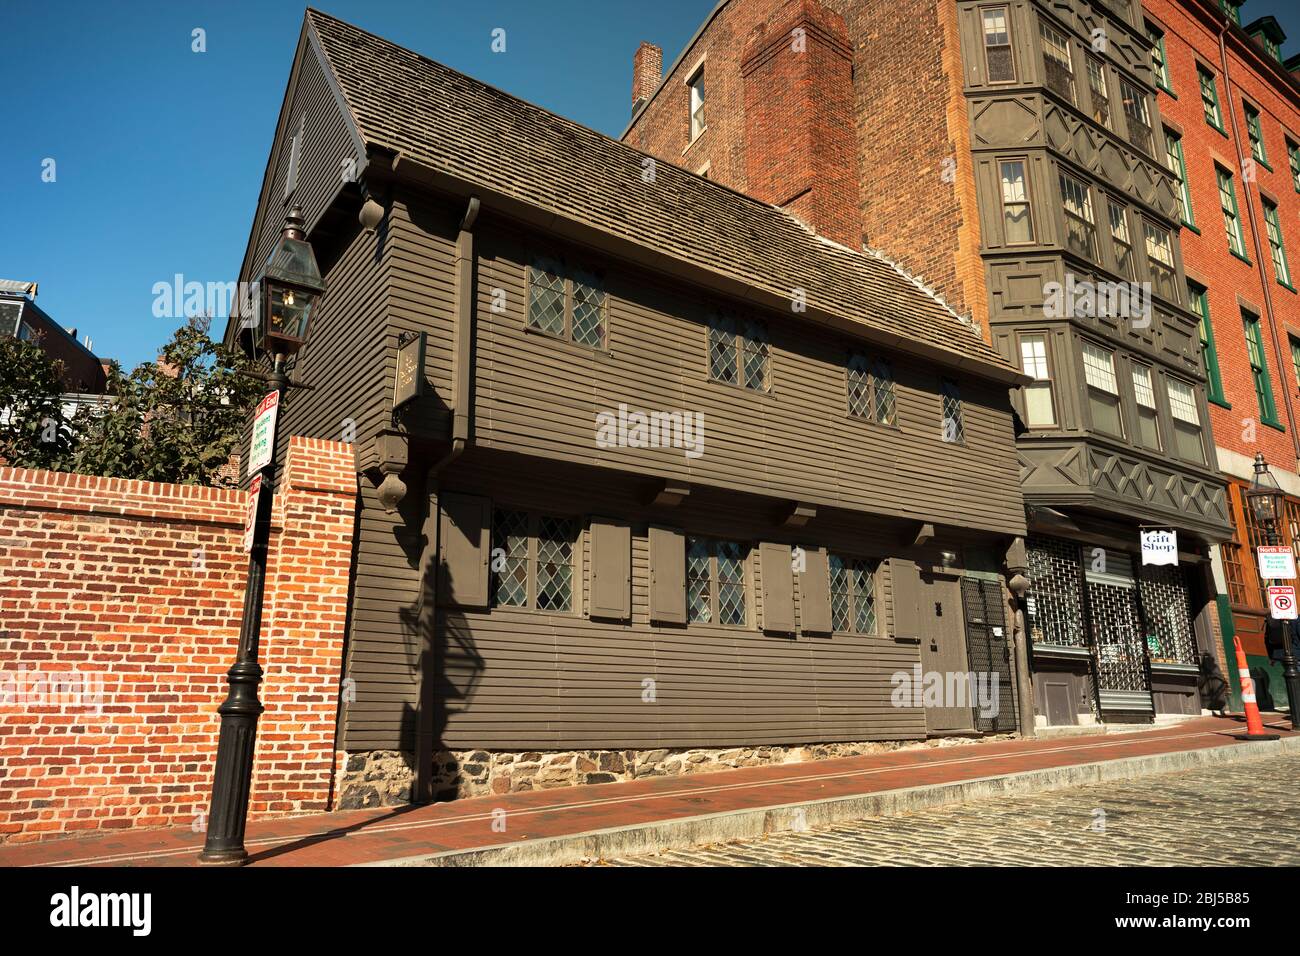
(1186, 416)
(1016, 217)
(1040, 410)
(696, 84)
(1148, 418)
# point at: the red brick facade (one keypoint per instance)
(1192, 30)
(909, 180)
(128, 595)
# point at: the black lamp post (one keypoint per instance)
(288, 288)
(1268, 505)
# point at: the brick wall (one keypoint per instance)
(907, 121)
(1191, 37)
(133, 592)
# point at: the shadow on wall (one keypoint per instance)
(446, 667)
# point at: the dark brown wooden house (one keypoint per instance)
(680, 474)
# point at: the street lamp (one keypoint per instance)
(288, 288)
(1268, 504)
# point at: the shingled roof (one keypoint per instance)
(451, 123)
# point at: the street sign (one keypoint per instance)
(1275, 561)
(250, 519)
(1281, 602)
(259, 451)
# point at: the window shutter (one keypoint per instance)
(611, 570)
(905, 589)
(464, 549)
(667, 576)
(778, 588)
(815, 592)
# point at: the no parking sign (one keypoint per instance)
(1281, 602)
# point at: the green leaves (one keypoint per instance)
(176, 420)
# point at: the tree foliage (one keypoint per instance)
(34, 433)
(174, 420)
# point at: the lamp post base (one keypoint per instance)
(223, 858)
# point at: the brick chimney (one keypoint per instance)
(647, 73)
(800, 148)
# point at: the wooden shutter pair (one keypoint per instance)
(465, 550)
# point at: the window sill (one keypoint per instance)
(1191, 227)
(695, 139)
(859, 420)
(1221, 402)
(1166, 90)
(1288, 286)
(1262, 162)
(1218, 129)
(1238, 255)
(1274, 423)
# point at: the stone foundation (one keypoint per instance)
(383, 778)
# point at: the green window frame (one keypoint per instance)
(1199, 299)
(1231, 214)
(1259, 369)
(1276, 246)
(1210, 99)
(1177, 164)
(1295, 357)
(1159, 57)
(1255, 133)
(1232, 10)
(1293, 155)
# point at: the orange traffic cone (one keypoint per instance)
(1254, 723)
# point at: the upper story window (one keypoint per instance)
(853, 595)
(871, 392)
(1281, 270)
(1231, 218)
(1160, 259)
(1232, 9)
(1259, 369)
(532, 561)
(1187, 420)
(738, 352)
(1177, 164)
(1080, 226)
(1039, 407)
(1144, 396)
(716, 582)
(1016, 217)
(1103, 389)
(1295, 357)
(1293, 154)
(569, 304)
(1209, 98)
(1119, 236)
(1255, 133)
(1159, 58)
(1098, 92)
(1137, 116)
(1200, 303)
(696, 84)
(1058, 67)
(998, 57)
(954, 424)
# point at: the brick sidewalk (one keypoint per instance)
(372, 836)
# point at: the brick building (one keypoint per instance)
(1010, 153)
(21, 317)
(1231, 111)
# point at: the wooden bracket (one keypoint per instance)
(797, 514)
(924, 534)
(669, 494)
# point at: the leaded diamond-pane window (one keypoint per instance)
(954, 426)
(859, 385)
(568, 303)
(739, 353)
(871, 389)
(716, 582)
(510, 558)
(853, 595)
(588, 310)
(546, 297)
(555, 537)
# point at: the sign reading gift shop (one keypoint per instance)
(259, 450)
(1275, 561)
(1159, 546)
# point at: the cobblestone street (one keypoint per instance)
(1230, 815)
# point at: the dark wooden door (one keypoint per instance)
(943, 651)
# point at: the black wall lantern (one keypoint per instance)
(288, 289)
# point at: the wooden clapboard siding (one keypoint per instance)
(539, 396)
(543, 680)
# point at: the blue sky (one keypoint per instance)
(159, 151)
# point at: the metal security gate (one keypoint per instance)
(1167, 609)
(1119, 647)
(989, 653)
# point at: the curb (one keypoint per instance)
(730, 825)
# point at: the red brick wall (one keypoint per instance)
(1191, 37)
(906, 119)
(137, 589)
